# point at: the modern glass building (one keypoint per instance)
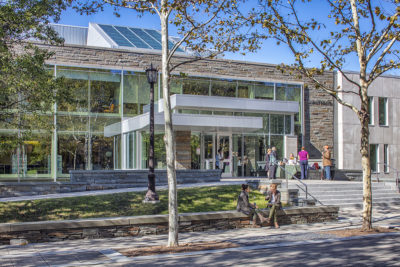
(106, 125)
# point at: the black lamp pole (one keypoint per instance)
(151, 194)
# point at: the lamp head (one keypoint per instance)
(152, 74)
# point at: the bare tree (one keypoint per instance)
(367, 30)
(208, 28)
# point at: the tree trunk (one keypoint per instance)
(169, 137)
(365, 160)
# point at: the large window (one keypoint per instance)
(371, 110)
(386, 158)
(263, 91)
(81, 120)
(373, 157)
(136, 93)
(383, 111)
(223, 88)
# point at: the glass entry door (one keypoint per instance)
(224, 153)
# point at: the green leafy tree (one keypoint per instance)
(362, 30)
(208, 28)
(27, 88)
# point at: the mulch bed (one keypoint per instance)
(188, 247)
(359, 232)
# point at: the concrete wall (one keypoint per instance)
(51, 231)
(348, 130)
(318, 107)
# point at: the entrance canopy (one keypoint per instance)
(207, 122)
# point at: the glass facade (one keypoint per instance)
(103, 97)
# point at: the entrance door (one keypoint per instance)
(224, 149)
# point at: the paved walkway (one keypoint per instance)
(103, 252)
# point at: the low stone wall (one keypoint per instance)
(14, 189)
(139, 177)
(104, 179)
(48, 231)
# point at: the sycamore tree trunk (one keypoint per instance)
(365, 160)
(169, 137)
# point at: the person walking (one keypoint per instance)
(274, 203)
(303, 159)
(243, 205)
(218, 159)
(272, 163)
(327, 162)
(267, 162)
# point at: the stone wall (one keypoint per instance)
(49, 231)
(183, 150)
(318, 107)
(105, 179)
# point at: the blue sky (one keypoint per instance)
(269, 53)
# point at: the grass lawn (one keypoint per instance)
(124, 204)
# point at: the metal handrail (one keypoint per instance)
(397, 175)
(298, 180)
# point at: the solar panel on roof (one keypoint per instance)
(115, 35)
(132, 37)
(135, 37)
(145, 37)
(157, 36)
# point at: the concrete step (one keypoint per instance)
(353, 196)
(359, 206)
(354, 201)
(336, 185)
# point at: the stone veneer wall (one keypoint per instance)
(50, 231)
(183, 150)
(82, 180)
(318, 108)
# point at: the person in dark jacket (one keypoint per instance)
(243, 205)
(274, 203)
(273, 160)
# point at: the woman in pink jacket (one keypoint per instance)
(303, 158)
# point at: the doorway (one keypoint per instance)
(224, 149)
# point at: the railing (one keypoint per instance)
(397, 175)
(305, 190)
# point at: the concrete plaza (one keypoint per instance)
(304, 245)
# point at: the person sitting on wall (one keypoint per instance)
(274, 203)
(292, 160)
(243, 205)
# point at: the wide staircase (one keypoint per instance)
(346, 193)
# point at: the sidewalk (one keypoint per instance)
(103, 252)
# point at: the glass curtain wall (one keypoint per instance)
(81, 120)
(102, 97)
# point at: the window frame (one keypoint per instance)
(386, 122)
(386, 168)
(371, 110)
(376, 158)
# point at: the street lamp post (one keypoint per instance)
(151, 194)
